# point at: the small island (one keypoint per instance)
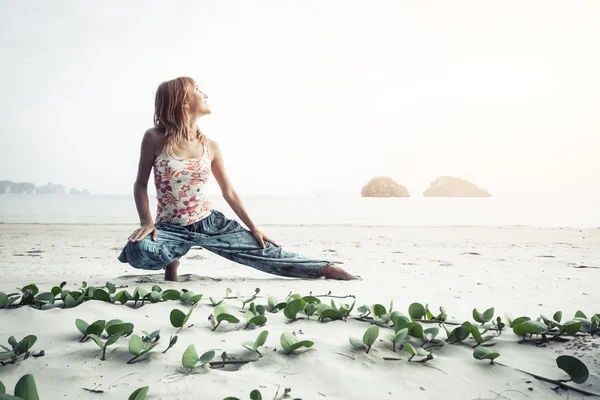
(10, 187)
(75, 191)
(383, 186)
(448, 186)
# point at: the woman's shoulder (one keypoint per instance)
(154, 139)
(155, 133)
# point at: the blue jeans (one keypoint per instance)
(221, 236)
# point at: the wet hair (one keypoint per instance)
(169, 114)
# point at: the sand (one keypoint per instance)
(518, 270)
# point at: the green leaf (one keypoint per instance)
(418, 351)
(190, 298)
(171, 294)
(272, 303)
(518, 321)
(311, 299)
(259, 320)
(331, 314)
(136, 345)
(81, 326)
(400, 320)
(55, 291)
(3, 299)
(586, 325)
(206, 357)
(290, 343)
(431, 333)
(111, 287)
(485, 317)
(293, 307)
(574, 368)
(101, 295)
(152, 335)
(459, 334)
(310, 309)
(195, 298)
(417, 311)
(122, 297)
(219, 310)
(25, 344)
(154, 297)
(96, 339)
(190, 357)
(177, 318)
(13, 342)
(377, 310)
(429, 315)
(112, 339)
(69, 301)
(140, 291)
(557, 316)
(26, 389)
(357, 343)
(529, 327)
(484, 353)
(34, 289)
(125, 328)
(580, 314)
(255, 395)
(215, 303)
(346, 309)
(415, 330)
(261, 339)
(572, 326)
(2, 388)
(156, 288)
(371, 335)
(111, 323)
(227, 317)
(6, 355)
(46, 298)
(139, 394)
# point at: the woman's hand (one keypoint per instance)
(262, 238)
(143, 231)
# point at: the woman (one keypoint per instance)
(183, 159)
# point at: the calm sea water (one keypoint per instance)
(320, 210)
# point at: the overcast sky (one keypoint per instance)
(310, 96)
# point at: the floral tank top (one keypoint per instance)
(181, 188)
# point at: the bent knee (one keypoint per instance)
(145, 254)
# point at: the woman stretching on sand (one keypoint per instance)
(183, 159)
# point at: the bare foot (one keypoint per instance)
(171, 271)
(335, 272)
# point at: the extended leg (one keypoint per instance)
(229, 239)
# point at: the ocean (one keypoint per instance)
(321, 210)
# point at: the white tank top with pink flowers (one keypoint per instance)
(181, 188)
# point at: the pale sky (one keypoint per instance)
(310, 96)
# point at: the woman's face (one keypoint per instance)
(198, 101)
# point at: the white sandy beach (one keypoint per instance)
(517, 270)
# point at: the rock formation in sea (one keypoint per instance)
(51, 188)
(383, 186)
(7, 187)
(75, 191)
(448, 186)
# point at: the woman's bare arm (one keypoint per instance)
(150, 143)
(231, 196)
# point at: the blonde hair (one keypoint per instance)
(169, 113)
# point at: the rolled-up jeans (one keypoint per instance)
(221, 236)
